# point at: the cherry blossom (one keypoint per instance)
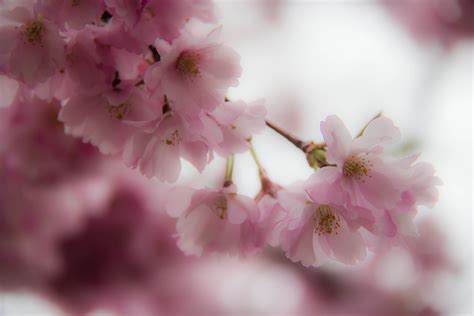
(361, 175)
(445, 21)
(194, 72)
(215, 221)
(313, 232)
(32, 49)
(157, 150)
(238, 121)
(72, 13)
(163, 18)
(147, 83)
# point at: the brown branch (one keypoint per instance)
(292, 139)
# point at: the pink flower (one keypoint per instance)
(445, 21)
(194, 72)
(238, 122)
(366, 180)
(127, 11)
(157, 150)
(422, 188)
(215, 221)
(31, 49)
(73, 13)
(163, 19)
(271, 213)
(94, 64)
(313, 231)
(8, 91)
(108, 120)
(35, 148)
(361, 172)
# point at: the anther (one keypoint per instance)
(356, 167)
(326, 221)
(187, 64)
(220, 207)
(33, 31)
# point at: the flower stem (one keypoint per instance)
(267, 186)
(229, 169)
(261, 170)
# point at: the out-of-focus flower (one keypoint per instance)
(45, 176)
(446, 21)
(161, 18)
(272, 9)
(35, 149)
(8, 91)
(116, 250)
(71, 13)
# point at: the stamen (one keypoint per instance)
(119, 111)
(357, 167)
(187, 64)
(326, 221)
(220, 207)
(173, 139)
(33, 31)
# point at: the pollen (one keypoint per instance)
(187, 64)
(326, 221)
(34, 31)
(173, 139)
(357, 167)
(119, 111)
(220, 207)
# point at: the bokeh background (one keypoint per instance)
(310, 59)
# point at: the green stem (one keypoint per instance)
(261, 170)
(229, 170)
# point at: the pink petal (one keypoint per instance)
(178, 200)
(166, 162)
(323, 186)
(337, 138)
(347, 246)
(380, 131)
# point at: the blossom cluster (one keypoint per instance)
(146, 82)
(359, 194)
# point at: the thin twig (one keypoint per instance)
(292, 139)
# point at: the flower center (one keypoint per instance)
(33, 31)
(173, 139)
(119, 111)
(75, 2)
(220, 207)
(357, 167)
(326, 221)
(187, 64)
